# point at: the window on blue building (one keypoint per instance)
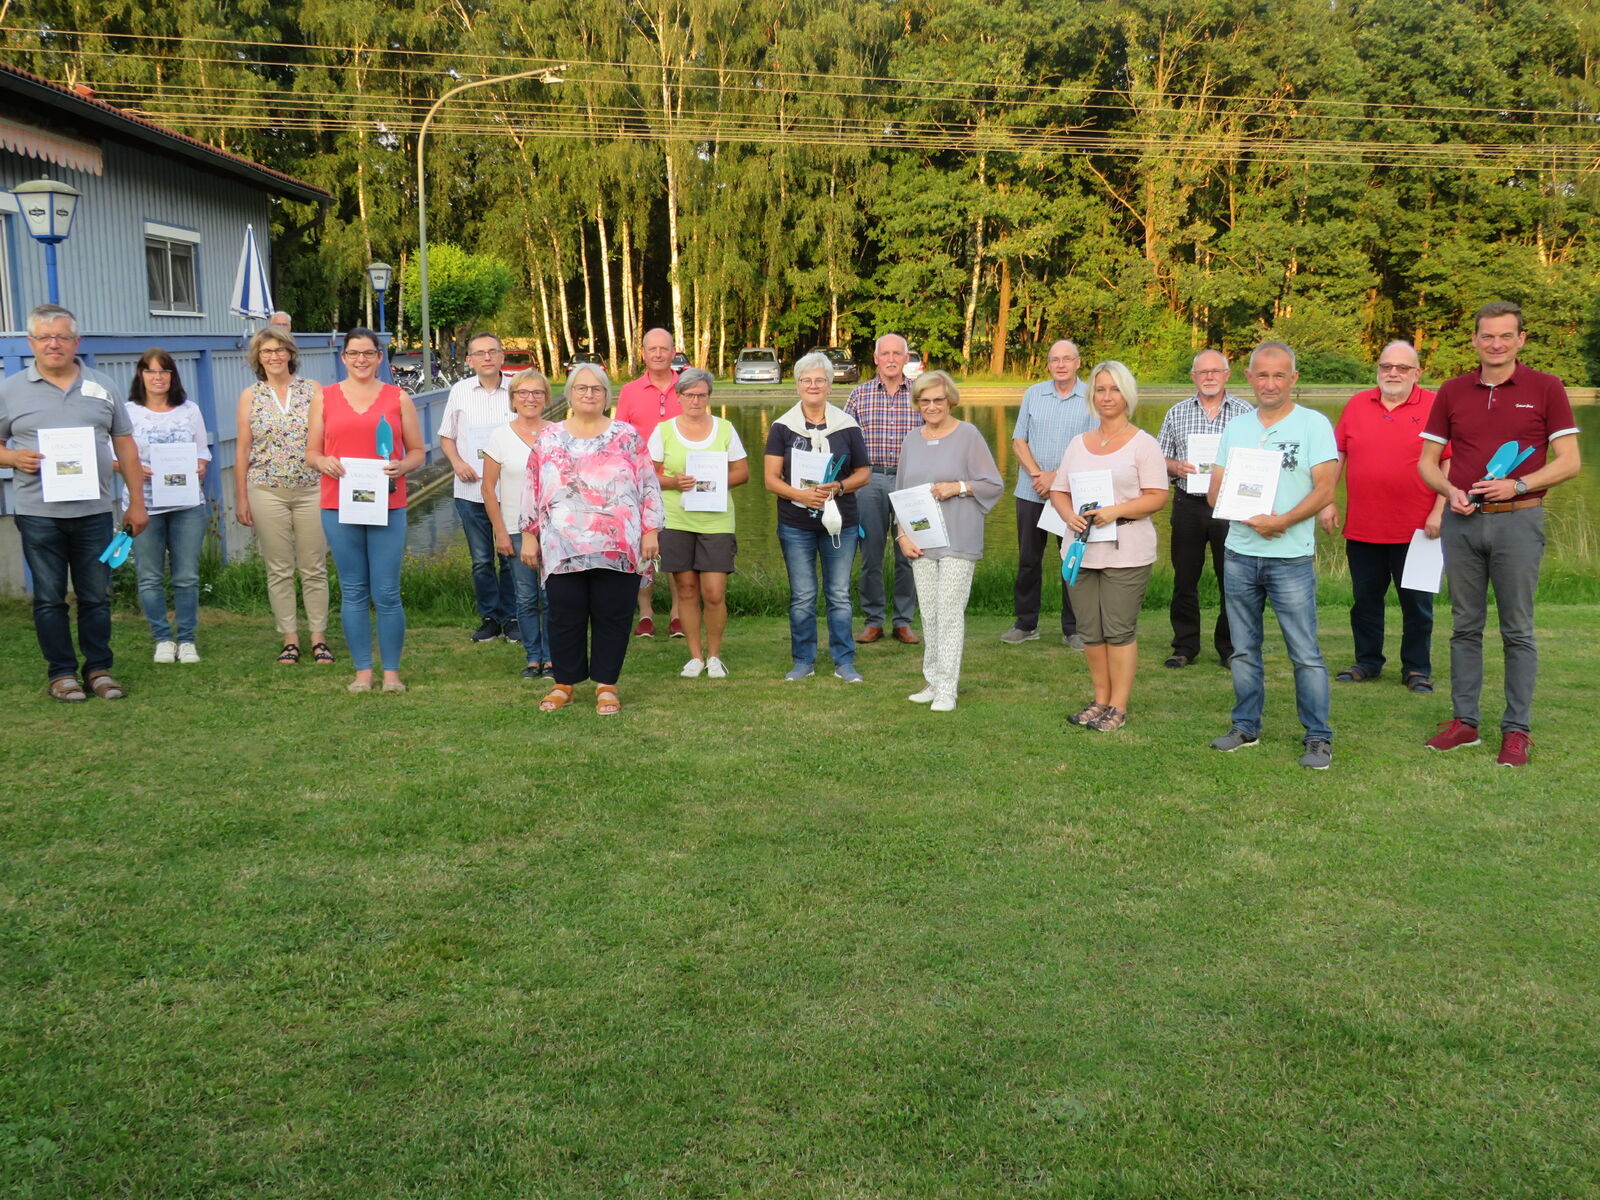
(169, 261)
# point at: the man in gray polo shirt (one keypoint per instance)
(62, 538)
(1053, 413)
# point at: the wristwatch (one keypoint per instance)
(1520, 487)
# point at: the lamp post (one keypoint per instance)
(48, 208)
(545, 75)
(378, 275)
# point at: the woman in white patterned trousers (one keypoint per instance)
(950, 459)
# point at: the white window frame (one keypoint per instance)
(158, 234)
(8, 312)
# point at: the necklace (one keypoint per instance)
(1107, 438)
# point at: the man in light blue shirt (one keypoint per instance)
(1273, 556)
(1053, 413)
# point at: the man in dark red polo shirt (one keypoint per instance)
(1494, 528)
(1379, 442)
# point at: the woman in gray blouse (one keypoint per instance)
(950, 458)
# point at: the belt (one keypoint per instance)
(1501, 506)
(886, 470)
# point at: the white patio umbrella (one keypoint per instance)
(251, 295)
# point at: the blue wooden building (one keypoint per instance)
(151, 259)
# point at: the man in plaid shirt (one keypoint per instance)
(882, 407)
(1208, 411)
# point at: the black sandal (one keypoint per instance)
(289, 655)
(1416, 681)
(1355, 675)
(320, 653)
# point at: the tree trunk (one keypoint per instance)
(553, 362)
(977, 277)
(997, 352)
(561, 291)
(588, 291)
(630, 331)
(605, 276)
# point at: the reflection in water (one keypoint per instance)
(435, 527)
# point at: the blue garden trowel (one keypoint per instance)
(384, 437)
(1074, 556)
(117, 551)
(1504, 461)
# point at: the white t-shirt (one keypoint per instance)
(658, 452)
(471, 407)
(511, 452)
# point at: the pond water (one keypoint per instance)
(435, 527)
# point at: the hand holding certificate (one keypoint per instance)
(1249, 484)
(71, 466)
(709, 470)
(1094, 487)
(363, 492)
(175, 475)
(1202, 450)
(1424, 563)
(919, 514)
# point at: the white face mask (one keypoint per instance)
(831, 520)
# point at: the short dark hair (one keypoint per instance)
(160, 358)
(361, 331)
(1497, 308)
(484, 333)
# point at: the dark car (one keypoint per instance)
(757, 364)
(585, 358)
(680, 360)
(845, 369)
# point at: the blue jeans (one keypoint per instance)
(55, 547)
(368, 558)
(178, 535)
(1248, 583)
(801, 548)
(533, 609)
(492, 581)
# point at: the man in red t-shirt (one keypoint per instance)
(644, 403)
(1494, 528)
(1379, 442)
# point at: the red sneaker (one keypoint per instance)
(675, 628)
(1514, 747)
(645, 628)
(1452, 735)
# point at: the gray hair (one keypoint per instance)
(690, 376)
(816, 361)
(1194, 363)
(524, 376)
(1401, 342)
(1122, 377)
(927, 379)
(904, 345)
(1281, 347)
(594, 369)
(45, 313)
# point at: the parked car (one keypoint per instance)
(516, 361)
(913, 362)
(680, 360)
(757, 364)
(585, 356)
(845, 369)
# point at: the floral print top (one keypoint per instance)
(278, 437)
(590, 500)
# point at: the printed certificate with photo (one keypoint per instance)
(920, 515)
(1249, 484)
(175, 475)
(71, 466)
(709, 470)
(1202, 451)
(1094, 487)
(363, 492)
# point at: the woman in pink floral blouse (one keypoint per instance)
(592, 504)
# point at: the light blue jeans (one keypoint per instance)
(801, 549)
(533, 608)
(1290, 584)
(368, 558)
(178, 536)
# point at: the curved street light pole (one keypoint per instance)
(549, 75)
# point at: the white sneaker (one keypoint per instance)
(925, 696)
(166, 652)
(945, 703)
(187, 653)
(715, 669)
(692, 668)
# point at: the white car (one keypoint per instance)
(913, 362)
(757, 364)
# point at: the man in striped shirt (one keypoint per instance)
(882, 407)
(1208, 411)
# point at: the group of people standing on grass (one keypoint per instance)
(566, 519)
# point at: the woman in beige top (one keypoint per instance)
(276, 491)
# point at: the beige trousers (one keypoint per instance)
(288, 524)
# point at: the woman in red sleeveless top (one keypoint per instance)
(346, 422)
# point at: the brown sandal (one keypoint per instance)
(606, 701)
(1089, 715)
(107, 688)
(559, 697)
(67, 689)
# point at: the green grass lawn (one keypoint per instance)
(262, 938)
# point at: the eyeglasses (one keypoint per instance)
(54, 339)
(360, 355)
(694, 395)
(1210, 371)
(812, 384)
(927, 399)
(1397, 368)
(1059, 360)
(529, 394)
(588, 389)
(155, 371)
(275, 351)
(483, 353)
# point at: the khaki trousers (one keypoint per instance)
(288, 525)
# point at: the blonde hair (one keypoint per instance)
(1122, 377)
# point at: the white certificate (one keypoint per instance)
(363, 492)
(1249, 484)
(709, 470)
(175, 475)
(1202, 450)
(1424, 563)
(919, 515)
(1050, 521)
(1094, 487)
(71, 466)
(472, 446)
(806, 469)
